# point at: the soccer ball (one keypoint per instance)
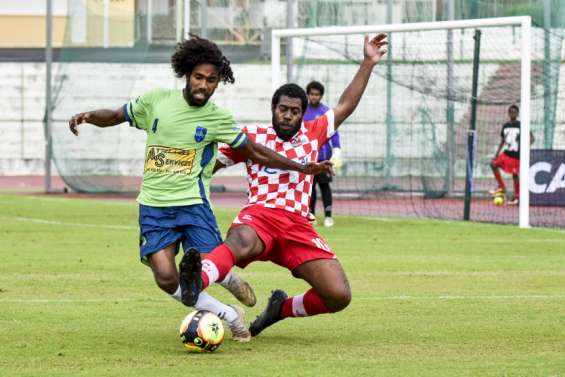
(202, 331)
(498, 200)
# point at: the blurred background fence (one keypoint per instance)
(108, 51)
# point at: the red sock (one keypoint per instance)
(516, 189)
(306, 304)
(216, 265)
(499, 179)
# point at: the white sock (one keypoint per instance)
(207, 302)
(176, 295)
(224, 283)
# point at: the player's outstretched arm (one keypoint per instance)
(99, 118)
(265, 156)
(373, 51)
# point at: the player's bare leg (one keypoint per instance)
(162, 264)
(327, 278)
(244, 242)
(516, 181)
(501, 189)
(330, 293)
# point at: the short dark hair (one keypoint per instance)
(194, 51)
(315, 85)
(514, 107)
(292, 91)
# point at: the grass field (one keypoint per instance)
(430, 298)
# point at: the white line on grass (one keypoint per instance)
(55, 222)
(452, 222)
(100, 199)
(375, 298)
(79, 300)
(447, 297)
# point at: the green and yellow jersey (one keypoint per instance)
(182, 145)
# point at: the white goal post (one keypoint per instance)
(523, 22)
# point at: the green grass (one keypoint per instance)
(430, 298)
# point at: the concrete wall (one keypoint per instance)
(90, 86)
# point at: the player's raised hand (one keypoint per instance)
(375, 48)
(76, 120)
(318, 168)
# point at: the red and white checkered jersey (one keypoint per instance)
(277, 188)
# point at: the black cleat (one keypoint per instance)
(271, 314)
(190, 280)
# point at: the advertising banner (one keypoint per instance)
(547, 177)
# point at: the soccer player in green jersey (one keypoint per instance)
(183, 131)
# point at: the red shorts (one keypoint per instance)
(509, 164)
(290, 240)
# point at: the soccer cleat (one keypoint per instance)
(271, 314)
(241, 290)
(190, 280)
(239, 332)
(497, 191)
(513, 202)
(328, 222)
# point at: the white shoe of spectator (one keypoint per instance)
(328, 222)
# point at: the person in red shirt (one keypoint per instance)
(274, 225)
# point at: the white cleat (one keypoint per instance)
(241, 290)
(240, 332)
(328, 222)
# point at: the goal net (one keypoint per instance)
(407, 148)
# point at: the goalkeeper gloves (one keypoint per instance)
(336, 158)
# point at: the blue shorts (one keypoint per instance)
(194, 226)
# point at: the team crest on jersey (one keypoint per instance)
(299, 140)
(200, 134)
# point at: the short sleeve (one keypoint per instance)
(229, 133)
(323, 127)
(231, 156)
(335, 141)
(137, 111)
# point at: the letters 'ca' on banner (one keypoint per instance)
(547, 177)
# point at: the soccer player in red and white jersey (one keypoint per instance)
(274, 226)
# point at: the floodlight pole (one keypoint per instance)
(450, 111)
(524, 200)
(186, 19)
(389, 119)
(204, 18)
(289, 47)
(106, 25)
(548, 108)
(48, 98)
(149, 20)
